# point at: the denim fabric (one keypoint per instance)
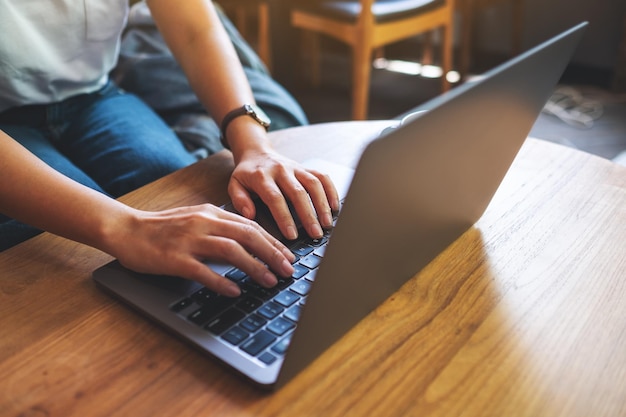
(148, 69)
(110, 141)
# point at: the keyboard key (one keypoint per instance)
(202, 315)
(211, 309)
(253, 322)
(236, 274)
(311, 276)
(224, 321)
(299, 271)
(258, 342)
(280, 326)
(204, 296)
(320, 251)
(181, 305)
(283, 283)
(235, 336)
(264, 293)
(270, 310)
(302, 250)
(248, 286)
(267, 358)
(282, 345)
(301, 287)
(311, 261)
(293, 313)
(317, 242)
(249, 304)
(286, 298)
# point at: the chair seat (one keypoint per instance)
(382, 9)
(367, 26)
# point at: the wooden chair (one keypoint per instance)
(368, 25)
(242, 10)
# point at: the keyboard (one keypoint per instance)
(261, 320)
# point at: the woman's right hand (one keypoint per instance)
(177, 241)
(169, 242)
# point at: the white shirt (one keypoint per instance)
(53, 49)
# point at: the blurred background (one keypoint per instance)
(587, 111)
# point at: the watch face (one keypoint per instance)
(259, 115)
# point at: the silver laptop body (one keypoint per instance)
(414, 191)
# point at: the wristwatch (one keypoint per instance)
(251, 110)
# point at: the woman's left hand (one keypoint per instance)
(277, 181)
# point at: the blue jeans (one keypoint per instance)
(110, 141)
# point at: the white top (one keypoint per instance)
(53, 49)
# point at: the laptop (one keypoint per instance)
(416, 189)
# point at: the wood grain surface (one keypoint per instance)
(524, 315)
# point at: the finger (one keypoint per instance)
(301, 201)
(185, 265)
(273, 197)
(204, 275)
(251, 238)
(329, 188)
(241, 199)
(234, 254)
(318, 195)
(264, 233)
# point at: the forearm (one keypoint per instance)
(171, 242)
(34, 193)
(201, 45)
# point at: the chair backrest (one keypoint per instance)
(375, 25)
(386, 30)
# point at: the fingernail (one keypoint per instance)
(232, 290)
(269, 279)
(316, 230)
(287, 268)
(289, 254)
(327, 219)
(292, 233)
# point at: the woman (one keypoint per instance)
(57, 102)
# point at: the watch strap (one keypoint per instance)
(245, 110)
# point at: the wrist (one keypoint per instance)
(115, 228)
(245, 115)
(246, 136)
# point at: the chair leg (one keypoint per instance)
(427, 49)
(446, 65)
(265, 52)
(467, 16)
(361, 72)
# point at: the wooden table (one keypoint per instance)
(524, 315)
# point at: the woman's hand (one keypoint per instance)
(171, 242)
(176, 241)
(277, 181)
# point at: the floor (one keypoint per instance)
(393, 94)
